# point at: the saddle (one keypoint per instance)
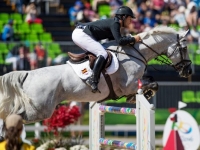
(79, 58)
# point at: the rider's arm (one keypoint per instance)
(115, 29)
(137, 38)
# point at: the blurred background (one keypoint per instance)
(37, 33)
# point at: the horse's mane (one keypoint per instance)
(158, 30)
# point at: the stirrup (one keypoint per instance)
(93, 85)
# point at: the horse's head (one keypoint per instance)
(178, 54)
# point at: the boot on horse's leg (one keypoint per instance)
(94, 79)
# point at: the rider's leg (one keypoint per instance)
(86, 42)
(94, 79)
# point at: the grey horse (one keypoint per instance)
(35, 94)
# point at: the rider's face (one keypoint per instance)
(127, 21)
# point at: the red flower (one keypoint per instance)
(62, 116)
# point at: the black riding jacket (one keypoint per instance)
(107, 29)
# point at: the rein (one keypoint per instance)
(164, 60)
(145, 62)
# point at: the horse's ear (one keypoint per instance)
(183, 34)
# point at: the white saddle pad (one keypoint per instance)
(84, 71)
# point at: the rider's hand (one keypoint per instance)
(137, 38)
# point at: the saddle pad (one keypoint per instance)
(83, 69)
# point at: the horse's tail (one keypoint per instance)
(12, 97)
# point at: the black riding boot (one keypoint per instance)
(94, 79)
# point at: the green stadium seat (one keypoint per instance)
(1, 56)
(45, 37)
(1, 28)
(4, 17)
(55, 47)
(24, 17)
(37, 28)
(32, 38)
(188, 96)
(3, 48)
(22, 36)
(198, 27)
(192, 47)
(197, 59)
(46, 45)
(198, 96)
(11, 45)
(1, 23)
(2, 61)
(104, 10)
(5, 51)
(31, 47)
(191, 57)
(175, 26)
(24, 28)
(15, 27)
(51, 54)
(16, 17)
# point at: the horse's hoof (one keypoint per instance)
(148, 94)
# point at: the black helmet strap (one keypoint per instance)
(123, 19)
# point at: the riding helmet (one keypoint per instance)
(124, 10)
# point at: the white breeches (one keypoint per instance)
(87, 43)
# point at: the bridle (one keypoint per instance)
(183, 63)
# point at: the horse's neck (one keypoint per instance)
(157, 43)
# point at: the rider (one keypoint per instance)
(87, 35)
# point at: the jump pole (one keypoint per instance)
(145, 125)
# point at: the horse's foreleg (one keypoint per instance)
(149, 87)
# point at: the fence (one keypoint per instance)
(145, 125)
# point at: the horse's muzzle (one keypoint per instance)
(186, 71)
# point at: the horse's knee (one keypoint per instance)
(131, 99)
(149, 86)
